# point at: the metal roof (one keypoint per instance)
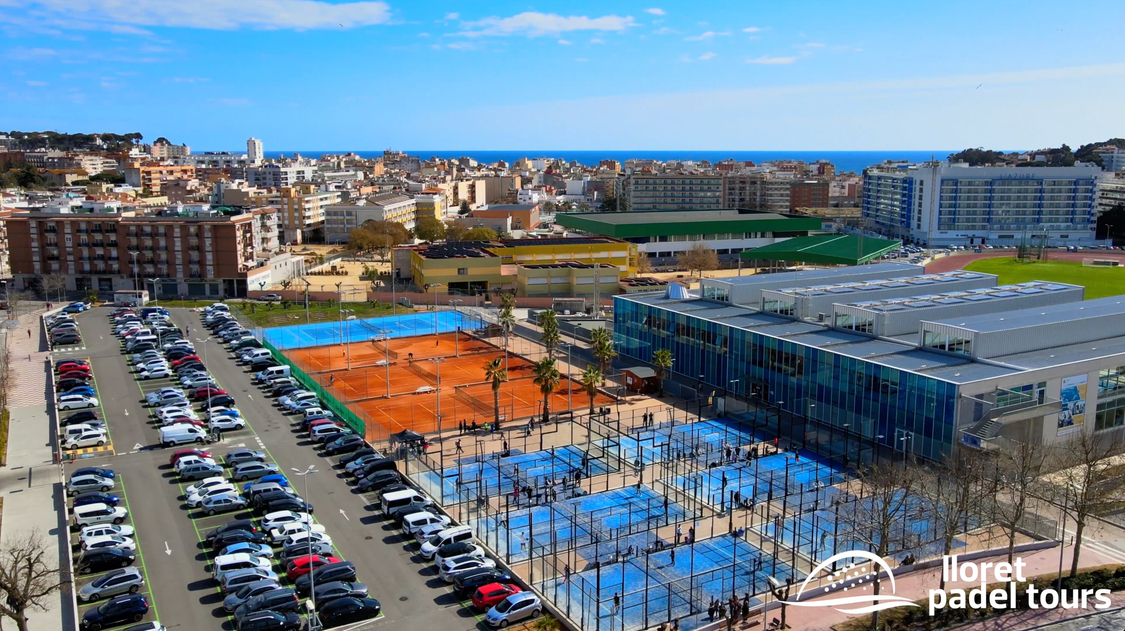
(1047, 357)
(811, 275)
(828, 249)
(923, 282)
(948, 298)
(1039, 316)
(678, 222)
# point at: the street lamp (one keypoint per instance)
(314, 622)
(434, 286)
(456, 339)
(155, 296)
(307, 284)
(209, 395)
(136, 283)
(344, 339)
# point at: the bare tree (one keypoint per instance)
(7, 375)
(951, 494)
(1087, 477)
(15, 299)
(700, 257)
(54, 286)
(882, 511)
(27, 578)
(1017, 477)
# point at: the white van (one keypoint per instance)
(181, 434)
(257, 353)
(447, 536)
(91, 514)
(398, 499)
(271, 373)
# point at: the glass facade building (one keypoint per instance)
(836, 405)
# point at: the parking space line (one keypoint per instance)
(137, 541)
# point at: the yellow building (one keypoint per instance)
(301, 209)
(473, 267)
(430, 203)
(567, 278)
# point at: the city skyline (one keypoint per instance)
(627, 76)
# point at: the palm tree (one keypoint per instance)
(549, 323)
(663, 360)
(547, 378)
(601, 344)
(507, 317)
(591, 378)
(495, 373)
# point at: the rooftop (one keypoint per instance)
(925, 281)
(800, 278)
(677, 222)
(1038, 316)
(824, 249)
(672, 216)
(943, 299)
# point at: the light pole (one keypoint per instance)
(346, 340)
(155, 297)
(569, 379)
(203, 342)
(314, 623)
(456, 339)
(307, 284)
(1109, 234)
(136, 283)
(434, 286)
(437, 364)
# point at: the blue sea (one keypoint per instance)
(854, 161)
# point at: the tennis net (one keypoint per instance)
(473, 401)
(419, 368)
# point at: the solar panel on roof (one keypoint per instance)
(811, 293)
(1030, 290)
(920, 305)
(921, 281)
(1054, 287)
(946, 279)
(950, 301)
(897, 285)
(890, 308)
(953, 293)
(841, 290)
(978, 297)
(1005, 294)
(970, 275)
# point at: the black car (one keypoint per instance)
(377, 481)
(303, 548)
(467, 583)
(295, 504)
(178, 353)
(284, 599)
(270, 621)
(343, 444)
(66, 338)
(190, 365)
(85, 416)
(115, 611)
(237, 524)
(66, 384)
(258, 365)
(104, 559)
(284, 390)
(339, 571)
(222, 400)
(326, 592)
(348, 609)
(382, 464)
(359, 453)
(402, 511)
(96, 497)
(237, 536)
(261, 500)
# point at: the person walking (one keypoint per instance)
(672, 556)
(458, 446)
(616, 602)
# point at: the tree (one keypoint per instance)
(882, 511)
(601, 345)
(54, 286)
(429, 229)
(7, 377)
(1017, 476)
(15, 300)
(507, 317)
(977, 157)
(455, 231)
(700, 257)
(614, 204)
(662, 358)
(495, 374)
(1091, 482)
(547, 378)
(549, 323)
(951, 493)
(591, 378)
(1111, 223)
(26, 577)
(644, 264)
(465, 208)
(362, 240)
(480, 233)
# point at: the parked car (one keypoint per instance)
(488, 596)
(223, 503)
(115, 611)
(183, 453)
(102, 530)
(252, 470)
(326, 592)
(228, 538)
(96, 497)
(246, 592)
(270, 621)
(77, 402)
(304, 564)
(238, 456)
(89, 482)
(347, 610)
(103, 559)
(343, 444)
(342, 571)
(110, 541)
(514, 608)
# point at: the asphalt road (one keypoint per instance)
(176, 564)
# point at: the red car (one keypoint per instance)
(74, 374)
(183, 420)
(71, 365)
(200, 394)
(180, 453)
(185, 359)
(301, 565)
(318, 422)
(489, 595)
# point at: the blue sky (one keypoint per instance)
(749, 75)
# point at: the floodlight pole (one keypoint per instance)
(314, 622)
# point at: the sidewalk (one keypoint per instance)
(31, 482)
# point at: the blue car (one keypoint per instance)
(73, 309)
(86, 390)
(118, 610)
(96, 498)
(276, 478)
(105, 473)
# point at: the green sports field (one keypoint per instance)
(1098, 281)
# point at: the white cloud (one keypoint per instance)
(452, 16)
(597, 41)
(706, 56)
(37, 84)
(534, 24)
(423, 34)
(772, 61)
(460, 46)
(753, 29)
(655, 11)
(27, 54)
(664, 30)
(705, 36)
(563, 42)
(814, 45)
(188, 80)
(121, 17)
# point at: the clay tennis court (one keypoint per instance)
(332, 357)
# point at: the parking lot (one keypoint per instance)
(168, 535)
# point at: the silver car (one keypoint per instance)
(239, 456)
(253, 470)
(126, 580)
(248, 591)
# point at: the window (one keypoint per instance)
(1110, 414)
(462, 271)
(1111, 382)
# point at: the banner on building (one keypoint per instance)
(1072, 417)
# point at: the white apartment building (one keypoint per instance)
(302, 212)
(1114, 161)
(254, 151)
(277, 176)
(214, 159)
(938, 203)
(339, 221)
(1111, 191)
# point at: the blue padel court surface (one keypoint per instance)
(473, 478)
(665, 441)
(598, 525)
(804, 481)
(322, 333)
(713, 568)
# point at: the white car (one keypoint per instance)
(285, 531)
(190, 460)
(226, 423)
(160, 372)
(109, 541)
(204, 484)
(174, 411)
(163, 397)
(313, 536)
(475, 552)
(416, 521)
(88, 438)
(77, 402)
(425, 390)
(184, 344)
(299, 395)
(196, 500)
(278, 519)
(198, 382)
(104, 530)
(461, 564)
(146, 357)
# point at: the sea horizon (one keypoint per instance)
(845, 161)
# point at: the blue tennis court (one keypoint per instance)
(322, 333)
(804, 481)
(704, 441)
